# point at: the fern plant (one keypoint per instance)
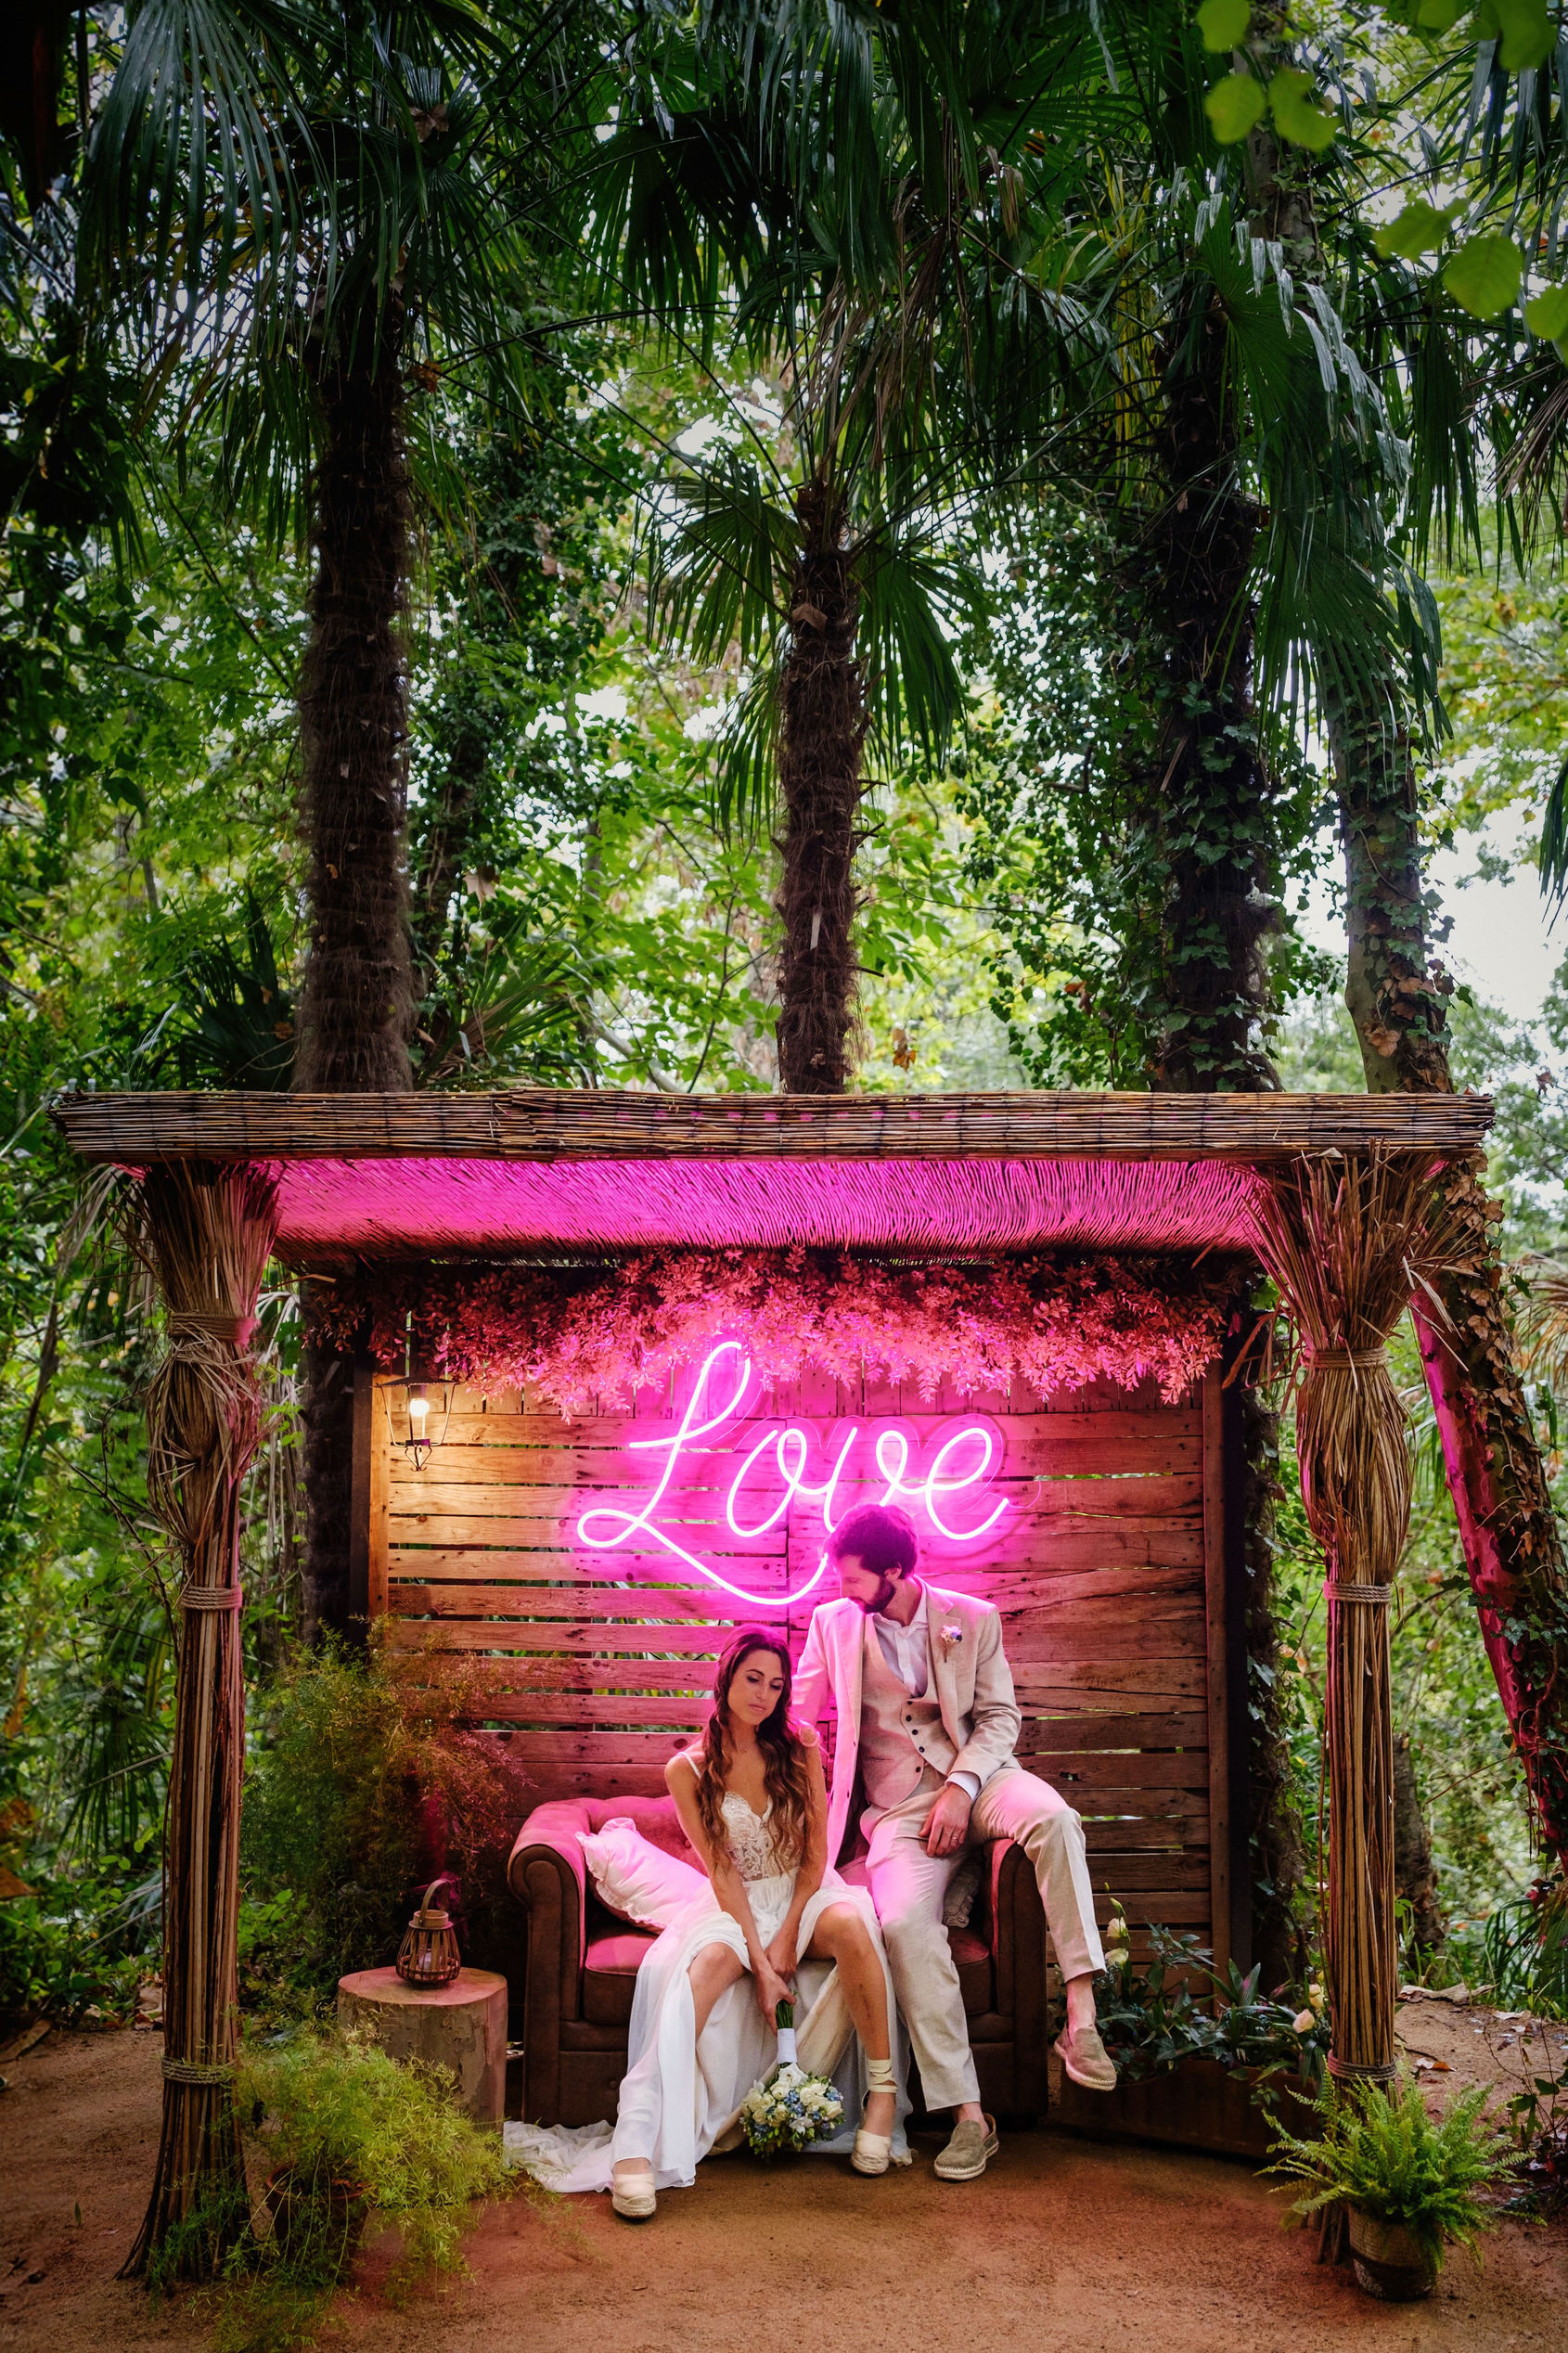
(1381, 2151)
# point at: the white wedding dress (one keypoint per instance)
(679, 2096)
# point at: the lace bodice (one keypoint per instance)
(751, 1838)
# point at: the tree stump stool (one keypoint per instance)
(461, 2026)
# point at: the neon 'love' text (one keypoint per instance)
(963, 1460)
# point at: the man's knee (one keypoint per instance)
(1048, 1824)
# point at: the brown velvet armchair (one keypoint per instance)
(580, 1966)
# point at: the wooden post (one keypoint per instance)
(1346, 1238)
(207, 1231)
(1217, 1652)
(1362, 1947)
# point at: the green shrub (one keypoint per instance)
(365, 1781)
(1181, 2008)
(342, 2135)
(334, 2114)
(1381, 2150)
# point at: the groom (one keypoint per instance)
(927, 1719)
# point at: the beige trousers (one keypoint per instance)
(909, 1887)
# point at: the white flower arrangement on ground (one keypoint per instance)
(789, 2109)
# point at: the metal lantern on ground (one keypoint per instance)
(428, 1956)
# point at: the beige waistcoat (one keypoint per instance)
(902, 1738)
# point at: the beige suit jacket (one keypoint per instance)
(970, 1679)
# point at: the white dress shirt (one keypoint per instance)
(907, 1650)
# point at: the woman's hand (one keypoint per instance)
(782, 1952)
(771, 1990)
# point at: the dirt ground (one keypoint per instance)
(1063, 2244)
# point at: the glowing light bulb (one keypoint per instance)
(418, 1406)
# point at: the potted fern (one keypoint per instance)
(1411, 2186)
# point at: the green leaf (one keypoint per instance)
(1547, 315)
(1433, 16)
(1233, 106)
(1528, 38)
(1223, 23)
(1420, 228)
(1483, 274)
(1299, 113)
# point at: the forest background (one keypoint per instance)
(602, 607)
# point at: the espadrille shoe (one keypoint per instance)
(969, 2150)
(632, 2195)
(1086, 2060)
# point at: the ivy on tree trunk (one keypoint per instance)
(822, 735)
(357, 998)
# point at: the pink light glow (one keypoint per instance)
(790, 1447)
(410, 1207)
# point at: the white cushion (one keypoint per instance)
(634, 1879)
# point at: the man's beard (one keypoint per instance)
(886, 1588)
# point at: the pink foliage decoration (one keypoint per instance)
(587, 1339)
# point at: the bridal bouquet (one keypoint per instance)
(789, 2109)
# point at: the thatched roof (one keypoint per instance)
(400, 1176)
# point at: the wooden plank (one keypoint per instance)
(1041, 1594)
(1061, 1446)
(570, 1604)
(378, 1545)
(1123, 1731)
(561, 1680)
(479, 1571)
(558, 1125)
(497, 1617)
(360, 1511)
(519, 1638)
(1154, 1637)
(1038, 1549)
(1084, 1774)
(1219, 1737)
(663, 1579)
(1149, 1835)
(1100, 1681)
(1187, 1909)
(1188, 1807)
(559, 1533)
(1126, 1871)
(561, 1716)
(1179, 1677)
(702, 1503)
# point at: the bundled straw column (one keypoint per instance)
(1347, 1239)
(206, 1232)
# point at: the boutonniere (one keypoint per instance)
(951, 1634)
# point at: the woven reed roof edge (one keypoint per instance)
(611, 1124)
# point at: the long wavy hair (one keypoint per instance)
(784, 1762)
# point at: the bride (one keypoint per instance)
(753, 1803)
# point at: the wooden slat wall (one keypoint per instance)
(596, 1666)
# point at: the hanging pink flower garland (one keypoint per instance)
(589, 1338)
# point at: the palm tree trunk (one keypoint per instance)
(1207, 794)
(1398, 997)
(1212, 795)
(356, 1000)
(822, 735)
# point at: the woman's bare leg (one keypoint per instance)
(713, 1971)
(843, 1936)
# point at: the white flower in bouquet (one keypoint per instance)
(789, 2109)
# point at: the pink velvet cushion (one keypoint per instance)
(635, 1879)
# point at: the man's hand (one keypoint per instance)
(948, 1826)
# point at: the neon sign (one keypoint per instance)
(961, 1463)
